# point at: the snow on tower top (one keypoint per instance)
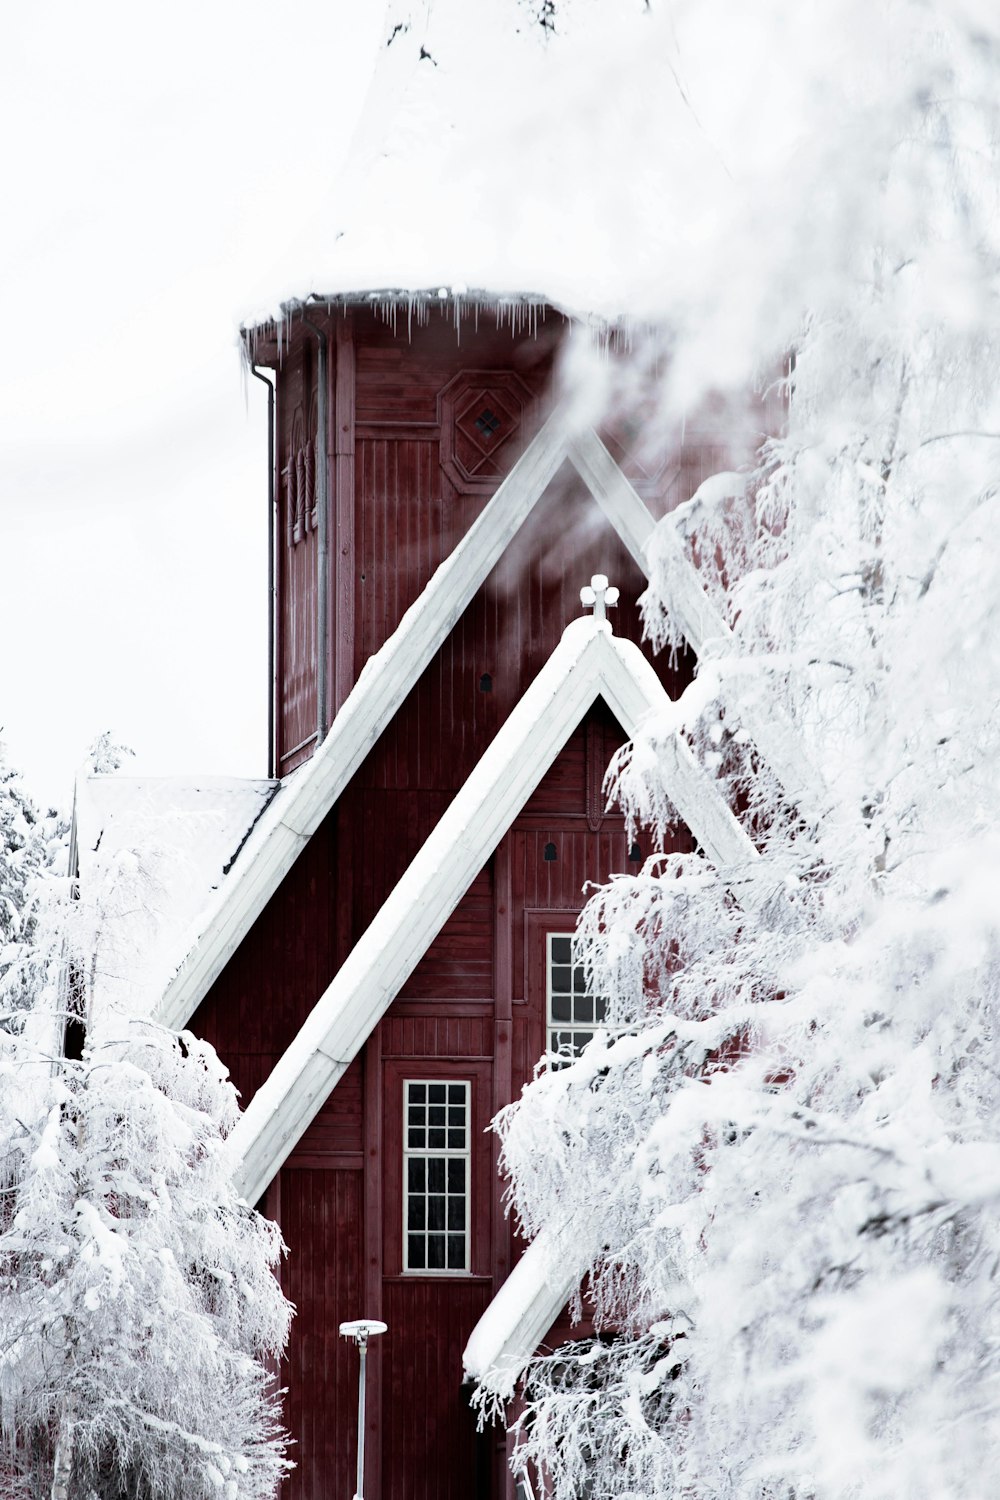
(151, 850)
(487, 156)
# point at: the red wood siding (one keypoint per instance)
(458, 965)
(284, 964)
(431, 1450)
(320, 1215)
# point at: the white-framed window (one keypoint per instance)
(573, 1012)
(436, 1170)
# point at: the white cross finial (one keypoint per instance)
(597, 596)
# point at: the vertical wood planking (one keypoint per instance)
(503, 1023)
(322, 1276)
(431, 1448)
(296, 574)
(344, 582)
(501, 1229)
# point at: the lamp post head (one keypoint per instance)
(361, 1330)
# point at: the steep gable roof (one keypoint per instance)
(305, 798)
(588, 662)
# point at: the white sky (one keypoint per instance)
(156, 165)
(163, 178)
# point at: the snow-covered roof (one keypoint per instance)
(150, 853)
(464, 172)
(520, 1315)
(305, 798)
(408, 306)
(588, 663)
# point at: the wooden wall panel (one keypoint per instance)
(321, 1217)
(404, 1034)
(382, 831)
(403, 530)
(431, 1448)
(337, 1129)
(287, 959)
(402, 369)
(458, 965)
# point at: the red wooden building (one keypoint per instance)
(391, 953)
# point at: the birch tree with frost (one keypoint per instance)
(780, 1168)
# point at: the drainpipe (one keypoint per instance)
(272, 526)
(322, 536)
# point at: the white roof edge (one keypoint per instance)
(588, 662)
(301, 803)
(305, 798)
(448, 297)
(699, 619)
(517, 1319)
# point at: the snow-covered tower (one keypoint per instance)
(389, 952)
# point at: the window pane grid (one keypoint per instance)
(574, 1012)
(436, 1175)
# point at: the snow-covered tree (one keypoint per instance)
(32, 847)
(140, 1317)
(781, 1167)
(139, 1305)
(106, 755)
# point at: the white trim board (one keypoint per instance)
(306, 797)
(518, 1317)
(698, 618)
(588, 663)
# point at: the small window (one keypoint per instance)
(436, 1176)
(573, 1012)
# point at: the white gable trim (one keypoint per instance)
(588, 662)
(518, 1318)
(305, 798)
(303, 801)
(698, 618)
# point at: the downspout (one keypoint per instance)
(322, 536)
(272, 526)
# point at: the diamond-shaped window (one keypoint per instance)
(481, 414)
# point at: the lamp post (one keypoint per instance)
(361, 1330)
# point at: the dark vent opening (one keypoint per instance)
(635, 854)
(486, 683)
(549, 853)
